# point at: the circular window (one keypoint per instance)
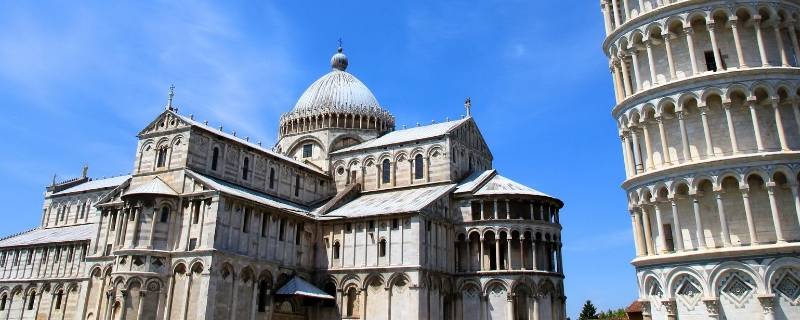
(340, 171)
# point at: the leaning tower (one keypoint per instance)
(707, 111)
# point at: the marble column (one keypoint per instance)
(751, 229)
(677, 228)
(701, 238)
(760, 41)
(779, 125)
(648, 237)
(756, 127)
(734, 24)
(664, 142)
(776, 215)
(647, 146)
(634, 53)
(687, 153)
(688, 32)
(670, 61)
(723, 220)
(731, 128)
(781, 46)
(662, 241)
(652, 63)
(714, 46)
(706, 131)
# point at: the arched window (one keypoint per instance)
(271, 178)
(297, 185)
(386, 171)
(214, 158)
(59, 295)
(246, 168)
(246, 221)
(31, 300)
(382, 248)
(262, 296)
(352, 300)
(164, 214)
(418, 167)
(282, 230)
(161, 159)
(336, 248)
(3, 301)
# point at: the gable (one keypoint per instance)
(468, 134)
(166, 121)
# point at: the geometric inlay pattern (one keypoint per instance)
(688, 292)
(737, 287)
(789, 287)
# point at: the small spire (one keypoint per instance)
(170, 96)
(468, 106)
(339, 60)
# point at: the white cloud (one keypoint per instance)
(130, 53)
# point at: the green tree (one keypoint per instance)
(589, 311)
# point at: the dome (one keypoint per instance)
(336, 90)
(337, 99)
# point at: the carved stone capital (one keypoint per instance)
(712, 306)
(767, 302)
(669, 306)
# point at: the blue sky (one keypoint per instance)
(78, 81)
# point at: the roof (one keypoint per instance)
(41, 236)
(634, 307)
(474, 180)
(155, 186)
(248, 194)
(391, 202)
(96, 185)
(406, 135)
(337, 90)
(298, 286)
(502, 185)
(248, 143)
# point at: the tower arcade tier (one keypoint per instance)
(708, 114)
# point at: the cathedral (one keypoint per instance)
(345, 217)
(708, 113)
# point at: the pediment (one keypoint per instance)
(166, 121)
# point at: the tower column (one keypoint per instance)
(635, 62)
(662, 241)
(652, 63)
(776, 215)
(648, 237)
(760, 41)
(688, 32)
(737, 42)
(701, 238)
(687, 153)
(626, 79)
(647, 147)
(714, 46)
(664, 143)
(723, 221)
(731, 129)
(677, 229)
(781, 46)
(756, 127)
(779, 125)
(670, 61)
(751, 229)
(706, 131)
(637, 156)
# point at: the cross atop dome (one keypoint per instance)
(339, 60)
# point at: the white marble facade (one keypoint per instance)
(708, 112)
(385, 223)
